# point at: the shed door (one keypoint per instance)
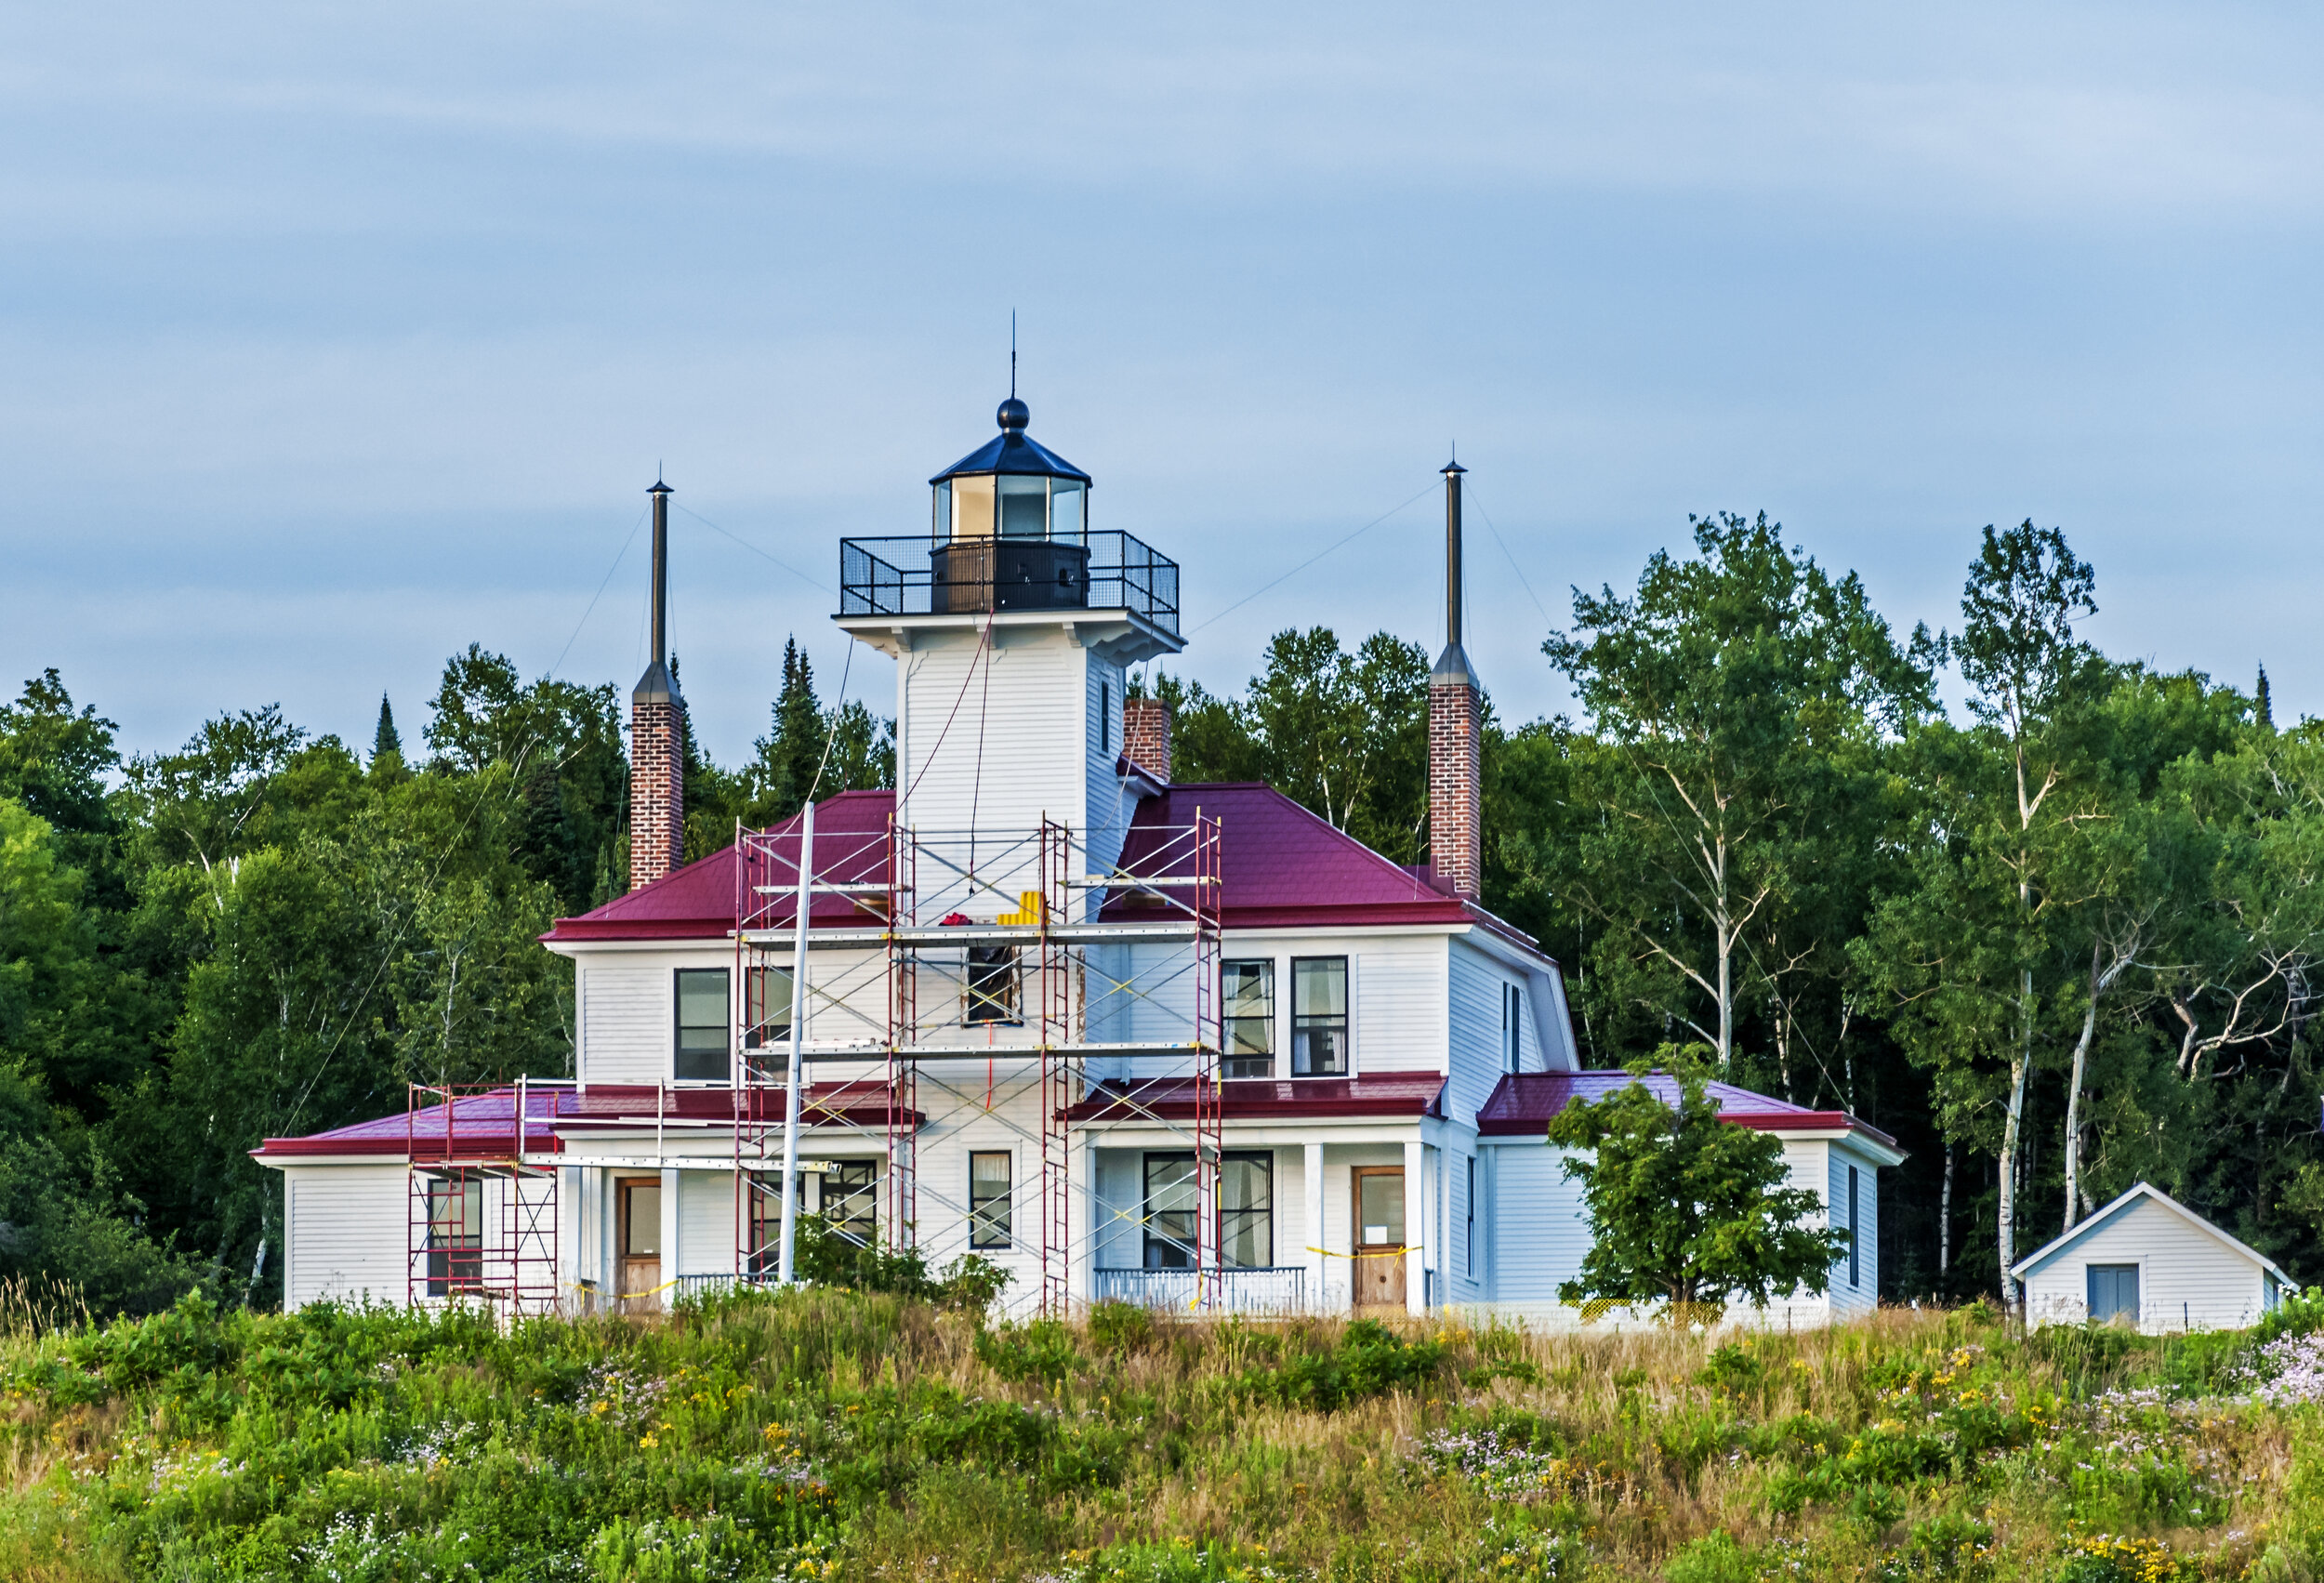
(2113, 1293)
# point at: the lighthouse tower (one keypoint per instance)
(1012, 622)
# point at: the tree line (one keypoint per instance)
(266, 933)
(2055, 945)
(2059, 945)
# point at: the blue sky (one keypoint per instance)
(338, 336)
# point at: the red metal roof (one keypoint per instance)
(1521, 1103)
(1281, 868)
(698, 901)
(483, 1126)
(1393, 1095)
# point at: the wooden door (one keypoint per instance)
(1378, 1204)
(638, 1243)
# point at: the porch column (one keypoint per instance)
(670, 1250)
(1081, 1213)
(1312, 1187)
(1416, 1219)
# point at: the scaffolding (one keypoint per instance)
(1011, 947)
(482, 1217)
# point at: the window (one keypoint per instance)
(850, 1199)
(1246, 1211)
(988, 1199)
(1023, 508)
(456, 1237)
(1106, 716)
(844, 1195)
(1246, 1220)
(1246, 1019)
(1469, 1242)
(766, 1007)
(703, 1012)
(1853, 1270)
(2113, 1292)
(1513, 1024)
(1319, 1016)
(992, 983)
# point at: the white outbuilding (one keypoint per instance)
(2149, 1261)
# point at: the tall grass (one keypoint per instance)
(821, 1433)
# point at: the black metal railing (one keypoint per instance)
(1090, 571)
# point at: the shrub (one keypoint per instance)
(1370, 1360)
(1116, 1327)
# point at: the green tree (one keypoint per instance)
(1970, 955)
(1345, 735)
(1685, 1208)
(387, 744)
(1737, 700)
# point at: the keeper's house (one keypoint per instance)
(1183, 1045)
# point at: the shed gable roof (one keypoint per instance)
(2141, 1193)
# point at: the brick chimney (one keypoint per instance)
(1146, 736)
(1455, 733)
(657, 735)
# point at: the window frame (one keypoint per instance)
(979, 1007)
(1469, 1246)
(766, 1022)
(1106, 716)
(1512, 1026)
(986, 1230)
(455, 1244)
(1304, 1022)
(679, 1053)
(1229, 1056)
(1171, 1245)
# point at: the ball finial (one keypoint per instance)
(1013, 413)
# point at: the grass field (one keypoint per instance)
(829, 1434)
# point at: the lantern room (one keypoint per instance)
(1010, 525)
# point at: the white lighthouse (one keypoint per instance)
(1012, 622)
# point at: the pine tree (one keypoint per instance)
(387, 746)
(2261, 710)
(792, 751)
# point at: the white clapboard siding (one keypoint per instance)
(984, 746)
(2187, 1277)
(1397, 987)
(1863, 1295)
(706, 1224)
(626, 1019)
(1476, 984)
(1108, 804)
(347, 1229)
(1541, 1232)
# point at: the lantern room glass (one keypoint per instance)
(1018, 506)
(1024, 507)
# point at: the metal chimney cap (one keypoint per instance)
(1451, 467)
(661, 488)
(1013, 414)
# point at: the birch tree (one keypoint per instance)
(1728, 694)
